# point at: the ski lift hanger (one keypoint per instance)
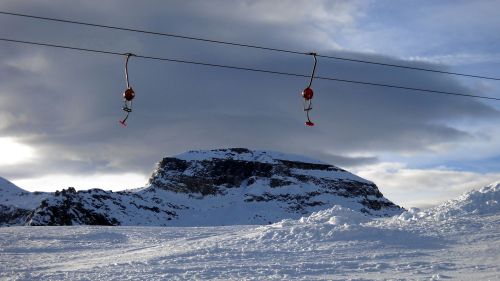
(308, 93)
(129, 93)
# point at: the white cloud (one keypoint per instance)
(33, 62)
(338, 13)
(458, 58)
(422, 187)
(456, 32)
(54, 182)
(8, 119)
(13, 152)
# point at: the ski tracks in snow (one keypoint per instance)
(459, 240)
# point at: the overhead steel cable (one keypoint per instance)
(412, 68)
(152, 33)
(248, 69)
(246, 45)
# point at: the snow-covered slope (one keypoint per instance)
(6, 187)
(483, 201)
(12, 195)
(16, 203)
(332, 244)
(457, 214)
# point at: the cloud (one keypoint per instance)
(425, 28)
(423, 187)
(97, 180)
(459, 58)
(65, 104)
(345, 161)
(14, 153)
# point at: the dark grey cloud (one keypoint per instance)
(344, 161)
(73, 100)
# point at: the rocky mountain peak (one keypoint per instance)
(266, 176)
(235, 167)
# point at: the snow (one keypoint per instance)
(328, 174)
(242, 154)
(479, 202)
(7, 186)
(254, 202)
(12, 195)
(457, 240)
(231, 210)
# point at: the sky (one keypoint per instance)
(59, 108)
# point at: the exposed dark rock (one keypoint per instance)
(10, 215)
(308, 166)
(96, 207)
(215, 175)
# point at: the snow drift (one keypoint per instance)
(340, 223)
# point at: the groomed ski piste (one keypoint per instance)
(458, 240)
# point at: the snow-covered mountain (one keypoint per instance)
(16, 204)
(217, 187)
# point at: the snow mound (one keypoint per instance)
(244, 154)
(343, 224)
(337, 215)
(484, 201)
(335, 223)
(339, 226)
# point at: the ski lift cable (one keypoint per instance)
(415, 90)
(236, 44)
